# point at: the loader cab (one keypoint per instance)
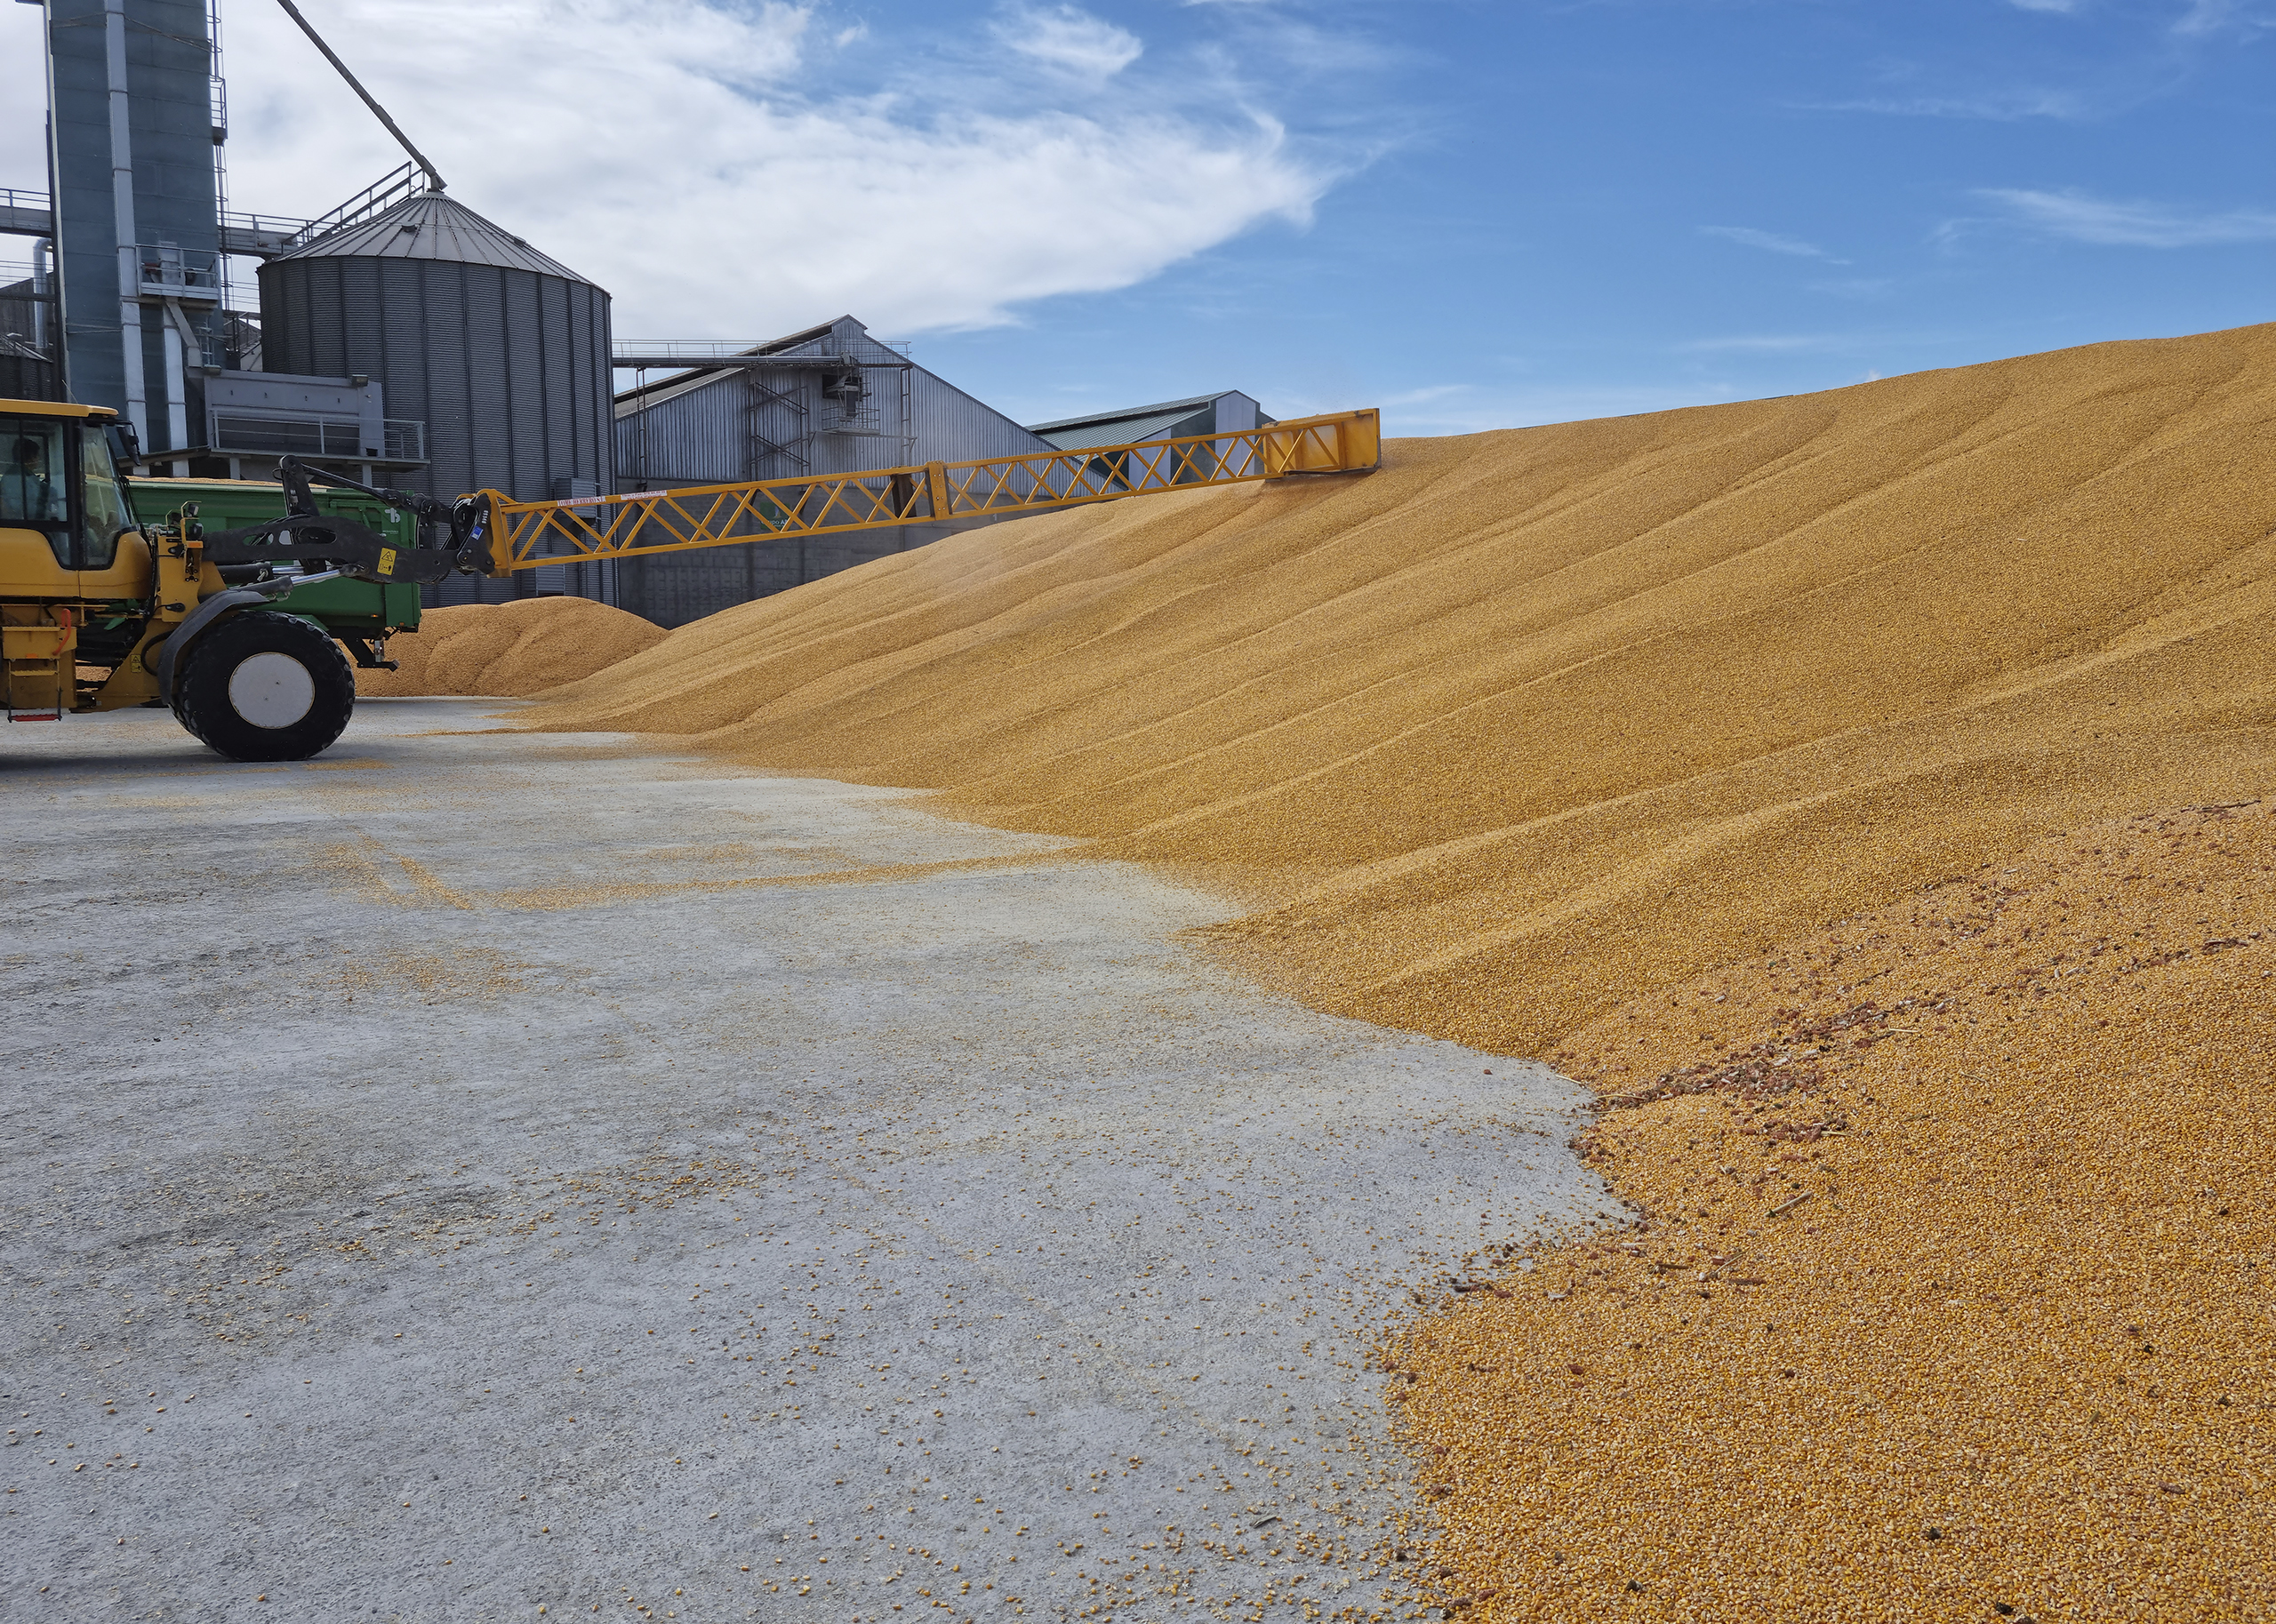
(65, 522)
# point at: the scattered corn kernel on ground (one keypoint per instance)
(1950, 1296)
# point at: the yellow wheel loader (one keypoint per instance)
(237, 630)
(99, 612)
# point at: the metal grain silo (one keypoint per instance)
(501, 353)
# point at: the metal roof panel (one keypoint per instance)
(1081, 435)
(432, 227)
(1176, 408)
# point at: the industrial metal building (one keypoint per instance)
(136, 118)
(403, 339)
(1169, 419)
(828, 400)
(29, 368)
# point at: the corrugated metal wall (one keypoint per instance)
(776, 424)
(693, 439)
(507, 368)
(944, 416)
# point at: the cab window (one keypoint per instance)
(36, 481)
(105, 510)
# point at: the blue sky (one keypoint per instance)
(1475, 213)
(1558, 210)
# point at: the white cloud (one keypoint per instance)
(1767, 344)
(1768, 242)
(1424, 396)
(2005, 106)
(2083, 218)
(2206, 17)
(1068, 39)
(2206, 20)
(678, 153)
(1856, 287)
(1474, 409)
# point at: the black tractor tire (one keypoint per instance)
(262, 686)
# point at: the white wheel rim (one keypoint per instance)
(271, 689)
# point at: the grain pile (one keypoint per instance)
(1955, 1291)
(1546, 741)
(1530, 723)
(512, 650)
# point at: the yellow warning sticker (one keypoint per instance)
(387, 561)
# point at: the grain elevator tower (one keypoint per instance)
(136, 122)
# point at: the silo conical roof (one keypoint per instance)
(430, 226)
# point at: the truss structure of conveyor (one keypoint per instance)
(636, 523)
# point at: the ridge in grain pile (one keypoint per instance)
(1530, 723)
(508, 650)
(1866, 790)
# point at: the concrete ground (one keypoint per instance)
(472, 1175)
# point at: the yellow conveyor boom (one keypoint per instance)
(638, 524)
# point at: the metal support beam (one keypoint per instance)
(24, 213)
(122, 194)
(434, 176)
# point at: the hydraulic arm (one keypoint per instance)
(331, 540)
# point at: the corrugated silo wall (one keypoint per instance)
(700, 438)
(509, 370)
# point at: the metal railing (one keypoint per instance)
(26, 213)
(187, 273)
(301, 436)
(383, 194)
(524, 535)
(262, 235)
(401, 439)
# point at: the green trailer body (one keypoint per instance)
(345, 607)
